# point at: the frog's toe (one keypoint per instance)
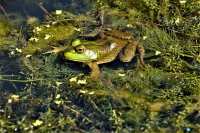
(141, 66)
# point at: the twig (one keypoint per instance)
(25, 81)
(40, 4)
(4, 11)
(77, 112)
(12, 75)
(22, 81)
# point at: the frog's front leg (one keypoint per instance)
(95, 71)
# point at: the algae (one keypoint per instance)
(46, 35)
(9, 35)
(5, 28)
(45, 93)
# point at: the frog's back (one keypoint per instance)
(118, 34)
(108, 52)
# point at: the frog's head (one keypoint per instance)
(80, 53)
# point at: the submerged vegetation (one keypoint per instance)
(42, 92)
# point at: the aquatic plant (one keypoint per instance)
(44, 93)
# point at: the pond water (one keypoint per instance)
(42, 91)
(32, 8)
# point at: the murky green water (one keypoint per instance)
(43, 92)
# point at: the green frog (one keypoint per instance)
(110, 45)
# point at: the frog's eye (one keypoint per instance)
(80, 49)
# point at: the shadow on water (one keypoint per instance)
(83, 68)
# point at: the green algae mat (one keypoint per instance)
(41, 91)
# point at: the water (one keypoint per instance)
(27, 8)
(46, 93)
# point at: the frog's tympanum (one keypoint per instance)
(110, 45)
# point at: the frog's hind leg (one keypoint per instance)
(128, 52)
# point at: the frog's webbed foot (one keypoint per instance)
(141, 55)
(95, 71)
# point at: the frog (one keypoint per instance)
(111, 44)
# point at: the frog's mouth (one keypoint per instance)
(80, 57)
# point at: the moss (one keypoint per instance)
(46, 35)
(55, 95)
(8, 35)
(5, 28)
